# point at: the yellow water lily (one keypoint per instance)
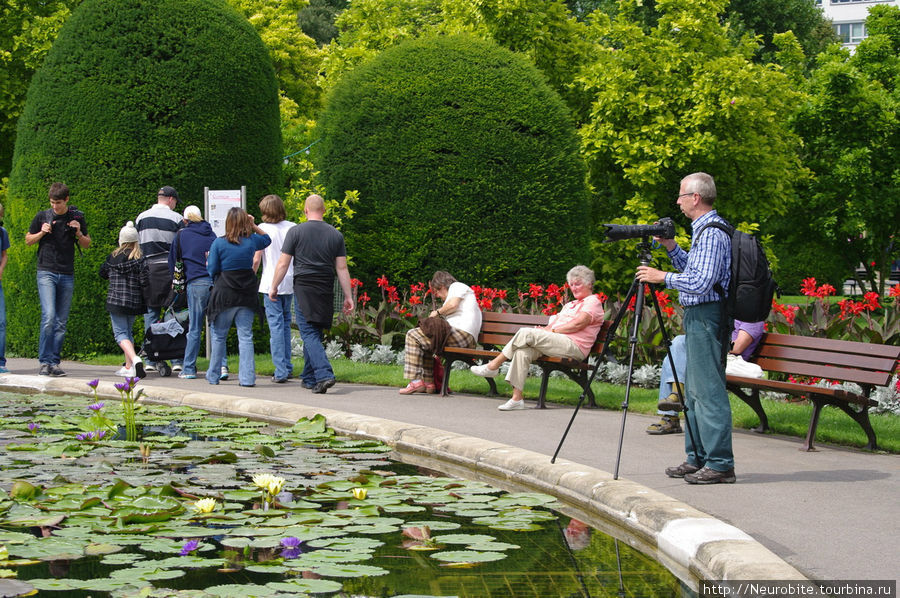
(360, 493)
(274, 486)
(204, 505)
(268, 482)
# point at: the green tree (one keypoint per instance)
(679, 98)
(27, 29)
(851, 129)
(317, 19)
(542, 30)
(132, 95)
(474, 171)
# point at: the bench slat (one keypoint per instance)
(827, 344)
(826, 358)
(830, 372)
(799, 389)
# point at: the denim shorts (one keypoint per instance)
(122, 326)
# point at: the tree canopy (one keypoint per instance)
(475, 171)
(135, 94)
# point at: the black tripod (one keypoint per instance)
(636, 291)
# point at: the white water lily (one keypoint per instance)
(204, 505)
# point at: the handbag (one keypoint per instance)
(179, 281)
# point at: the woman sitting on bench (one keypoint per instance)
(570, 334)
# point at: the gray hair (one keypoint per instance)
(442, 280)
(582, 273)
(701, 184)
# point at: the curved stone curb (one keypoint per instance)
(693, 544)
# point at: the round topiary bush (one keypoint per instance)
(134, 95)
(465, 159)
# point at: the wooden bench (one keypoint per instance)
(498, 328)
(866, 364)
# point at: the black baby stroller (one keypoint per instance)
(167, 336)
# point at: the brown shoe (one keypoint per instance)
(711, 476)
(671, 402)
(669, 424)
(682, 470)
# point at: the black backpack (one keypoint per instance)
(752, 287)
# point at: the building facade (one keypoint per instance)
(848, 17)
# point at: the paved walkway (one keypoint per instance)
(832, 513)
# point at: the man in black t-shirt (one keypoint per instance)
(56, 231)
(318, 252)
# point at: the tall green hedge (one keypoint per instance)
(465, 159)
(135, 94)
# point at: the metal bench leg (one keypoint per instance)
(545, 378)
(862, 418)
(752, 400)
(813, 424)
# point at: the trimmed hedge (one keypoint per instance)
(133, 95)
(465, 159)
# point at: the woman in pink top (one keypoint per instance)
(570, 333)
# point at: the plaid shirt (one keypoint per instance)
(707, 263)
(127, 281)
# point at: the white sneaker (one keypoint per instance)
(512, 405)
(177, 367)
(484, 371)
(223, 374)
(150, 366)
(126, 372)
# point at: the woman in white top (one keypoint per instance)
(462, 313)
(278, 312)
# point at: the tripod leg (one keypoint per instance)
(636, 290)
(609, 336)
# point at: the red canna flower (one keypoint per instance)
(364, 298)
(415, 300)
(871, 301)
(535, 290)
(895, 291)
(669, 311)
(383, 282)
(602, 297)
(631, 303)
(808, 287)
(501, 294)
(355, 283)
(825, 290)
(486, 303)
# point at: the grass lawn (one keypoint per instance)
(790, 419)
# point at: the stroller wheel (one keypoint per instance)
(165, 370)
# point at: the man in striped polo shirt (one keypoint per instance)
(156, 230)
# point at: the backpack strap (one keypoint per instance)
(729, 230)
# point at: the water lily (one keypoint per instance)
(96, 406)
(189, 547)
(33, 427)
(204, 505)
(94, 383)
(268, 482)
(4, 553)
(290, 542)
(360, 493)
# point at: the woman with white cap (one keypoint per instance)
(128, 277)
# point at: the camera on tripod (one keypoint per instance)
(664, 228)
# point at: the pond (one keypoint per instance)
(213, 506)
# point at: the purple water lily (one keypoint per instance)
(92, 435)
(96, 406)
(290, 542)
(189, 547)
(132, 382)
(33, 427)
(93, 383)
(290, 553)
(122, 386)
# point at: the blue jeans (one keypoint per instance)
(197, 299)
(708, 409)
(243, 321)
(315, 362)
(2, 327)
(666, 379)
(55, 294)
(122, 326)
(278, 313)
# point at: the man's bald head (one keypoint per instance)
(314, 207)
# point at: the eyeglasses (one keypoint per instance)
(683, 194)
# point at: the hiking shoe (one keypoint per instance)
(682, 470)
(484, 371)
(669, 424)
(711, 476)
(322, 387)
(56, 372)
(223, 374)
(278, 380)
(45, 370)
(185, 376)
(512, 405)
(671, 402)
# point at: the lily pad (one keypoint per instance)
(467, 556)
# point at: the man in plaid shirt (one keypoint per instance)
(703, 269)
